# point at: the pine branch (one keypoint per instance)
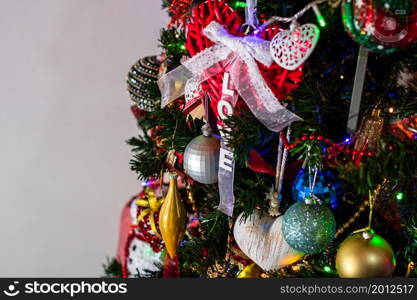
(112, 268)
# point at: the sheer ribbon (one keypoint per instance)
(239, 55)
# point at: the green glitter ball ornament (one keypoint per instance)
(308, 228)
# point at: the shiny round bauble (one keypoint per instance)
(381, 25)
(308, 228)
(141, 76)
(201, 159)
(328, 187)
(365, 255)
(250, 271)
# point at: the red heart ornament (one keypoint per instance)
(281, 81)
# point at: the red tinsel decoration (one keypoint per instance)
(179, 11)
(140, 231)
(144, 227)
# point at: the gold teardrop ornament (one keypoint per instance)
(172, 218)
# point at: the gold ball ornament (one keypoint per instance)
(172, 218)
(250, 271)
(365, 255)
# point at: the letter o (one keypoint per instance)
(224, 109)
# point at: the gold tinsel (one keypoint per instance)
(152, 205)
(217, 271)
(369, 132)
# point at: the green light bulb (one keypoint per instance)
(399, 196)
(327, 269)
(240, 4)
(322, 22)
(319, 17)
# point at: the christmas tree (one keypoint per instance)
(276, 139)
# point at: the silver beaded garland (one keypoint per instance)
(308, 228)
(201, 158)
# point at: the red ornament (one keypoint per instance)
(381, 25)
(125, 228)
(405, 129)
(281, 81)
(130, 229)
(179, 11)
(194, 227)
(395, 26)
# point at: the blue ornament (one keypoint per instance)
(328, 188)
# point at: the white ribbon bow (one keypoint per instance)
(239, 54)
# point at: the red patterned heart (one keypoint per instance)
(281, 81)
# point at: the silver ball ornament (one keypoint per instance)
(201, 158)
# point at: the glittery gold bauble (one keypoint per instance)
(250, 271)
(172, 218)
(370, 132)
(365, 255)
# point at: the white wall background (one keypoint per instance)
(64, 119)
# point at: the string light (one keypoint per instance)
(399, 196)
(391, 110)
(295, 17)
(327, 269)
(319, 16)
(240, 4)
